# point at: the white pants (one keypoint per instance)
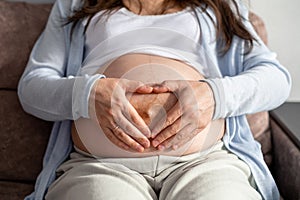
(210, 175)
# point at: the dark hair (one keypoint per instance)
(228, 18)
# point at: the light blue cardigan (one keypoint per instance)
(249, 83)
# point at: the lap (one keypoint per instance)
(220, 175)
(88, 178)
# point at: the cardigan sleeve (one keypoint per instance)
(258, 82)
(45, 90)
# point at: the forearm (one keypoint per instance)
(55, 98)
(256, 82)
(45, 89)
(258, 89)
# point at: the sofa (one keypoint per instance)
(23, 137)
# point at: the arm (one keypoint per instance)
(261, 84)
(44, 89)
(50, 89)
(248, 88)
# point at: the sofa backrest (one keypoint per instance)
(23, 138)
(33, 1)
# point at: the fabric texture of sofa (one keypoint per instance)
(24, 137)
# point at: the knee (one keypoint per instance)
(97, 187)
(212, 191)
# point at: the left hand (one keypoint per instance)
(190, 115)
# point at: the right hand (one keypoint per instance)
(120, 122)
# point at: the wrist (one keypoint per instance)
(218, 97)
(89, 103)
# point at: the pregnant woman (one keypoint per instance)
(89, 136)
(149, 100)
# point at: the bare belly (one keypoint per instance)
(89, 137)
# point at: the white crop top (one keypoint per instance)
(174, 35)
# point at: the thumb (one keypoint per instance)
(137, 86)
(166, 86)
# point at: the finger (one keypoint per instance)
(166, 134)
(185, 135)
(135, 86)
(110, 135)
(120, 102)
(162, 146)
(166, 86)
(144, 89)
(137, 120)
(164, 121)
(160, 89)
(132, 131)
(121, 135)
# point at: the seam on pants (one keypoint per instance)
(157, 165)
(156, 173)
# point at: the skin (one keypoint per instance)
(149, 7)
(114, 105)
(188, 117)
(109, 103)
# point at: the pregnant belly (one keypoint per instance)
(88, 135)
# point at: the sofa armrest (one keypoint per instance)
(286, 152)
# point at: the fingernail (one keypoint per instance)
(174, 147)
(146, 143)
(147, 87)
(147, 132)
(140, 148)
(155, 143)
(161, 147)
(153, 136)
(154, 133)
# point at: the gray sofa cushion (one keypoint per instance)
(23, 140)
(23, 137)
(20, 25)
